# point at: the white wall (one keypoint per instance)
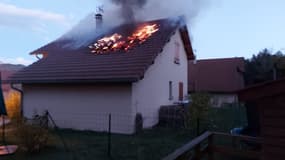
(152, 91)
(84, 107)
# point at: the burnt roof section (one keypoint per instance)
(65, 64)
(216, 75)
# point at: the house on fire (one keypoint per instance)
(222, 78)
(130, 69)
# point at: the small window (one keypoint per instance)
(170, 90)
(176, 52)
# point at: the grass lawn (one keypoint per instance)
(84, 145)
(151, 144)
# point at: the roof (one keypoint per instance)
(216, 75)
(78, 65)
(262, 90)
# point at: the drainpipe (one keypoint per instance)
(21, 95)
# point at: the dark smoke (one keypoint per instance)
(128, 8)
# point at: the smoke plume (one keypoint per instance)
(141, 10)
(128, 8)
(117, 12)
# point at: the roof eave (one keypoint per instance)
(72, 81)
(187, 42)
(262, 90)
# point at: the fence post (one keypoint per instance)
(210, 147)
(3, 130)
(198, 127)
(109, 136)
(197, 155)
(46, 122)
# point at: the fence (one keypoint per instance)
(114, 136)
(204, 145)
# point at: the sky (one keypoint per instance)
(221, 28)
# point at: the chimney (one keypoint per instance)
(99, 20)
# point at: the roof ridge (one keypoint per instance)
(213, 59)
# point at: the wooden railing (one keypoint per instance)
(204, 145)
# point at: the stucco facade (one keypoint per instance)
(83, 107)
(152, 91)
(86, 107)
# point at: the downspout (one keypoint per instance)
(21, 95)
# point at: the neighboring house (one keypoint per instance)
(222, 78)
(80, 87)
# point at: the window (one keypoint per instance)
(176, 52)
(170, 90)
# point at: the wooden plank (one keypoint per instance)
(210, 146)
(269, 112)
(274, 149)
(235, 152)
(272, 156)
(273, 132)
(274, 122)
(262, 91)
(275, 141)
(187, 147)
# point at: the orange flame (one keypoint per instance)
(116, 41)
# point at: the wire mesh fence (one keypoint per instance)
(124, 136)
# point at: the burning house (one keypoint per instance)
(133, 68)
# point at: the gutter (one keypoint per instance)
(21, 94)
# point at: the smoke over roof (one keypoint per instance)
(128, 8)
(154, 9)
(117, 12)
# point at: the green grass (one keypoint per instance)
(152, 144)
(84, 145)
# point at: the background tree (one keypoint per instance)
(264, 66)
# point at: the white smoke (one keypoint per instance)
(155, 9)
(85, 32)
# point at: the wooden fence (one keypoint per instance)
(204, 145)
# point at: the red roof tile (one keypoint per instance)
(72, 65)
(216, 75)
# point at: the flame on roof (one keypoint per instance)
(117, 42)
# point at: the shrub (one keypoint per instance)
(199, 109)
(32, 137)
(13, 103)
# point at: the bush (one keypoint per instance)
(32, 137)
(13, 104)
(198, 109)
